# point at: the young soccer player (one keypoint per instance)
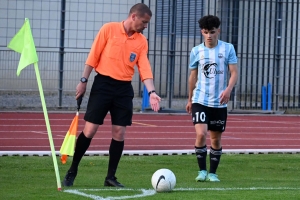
(209, 93)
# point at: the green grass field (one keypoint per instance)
(253, 176)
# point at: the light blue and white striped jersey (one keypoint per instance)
(212, 64)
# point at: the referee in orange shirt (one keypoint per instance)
(117, 48)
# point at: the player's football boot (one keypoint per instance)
(201, 175)
(112, 182)
(212, 177)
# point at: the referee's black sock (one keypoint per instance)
(215, 156)
(201, 153)
(82, 144)
(115, 153)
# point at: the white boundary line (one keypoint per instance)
(154, 152)
(150, 192)
(228, 189)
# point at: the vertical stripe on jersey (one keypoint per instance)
(210, 83)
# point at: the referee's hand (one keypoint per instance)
(154, 101)
(80, 90)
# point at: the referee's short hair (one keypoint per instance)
(141, 9)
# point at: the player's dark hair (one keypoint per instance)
(209, 22)
(141, 9)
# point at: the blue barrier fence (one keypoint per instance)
(266, 97)
(269, 90)
(145, 102)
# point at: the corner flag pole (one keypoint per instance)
(23, 43)
(38, 77)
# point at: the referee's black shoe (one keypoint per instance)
(69, 178)
(112, 182)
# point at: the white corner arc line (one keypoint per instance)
(145, 192)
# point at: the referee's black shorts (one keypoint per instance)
(108, 94)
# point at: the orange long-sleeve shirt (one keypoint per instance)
(115, 54)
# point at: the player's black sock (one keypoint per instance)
(115, 153)
(82, 144)
(201, 153)
(215, 156)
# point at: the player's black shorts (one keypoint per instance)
(108, 94)
(215, 118)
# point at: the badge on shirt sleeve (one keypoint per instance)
(132, 57)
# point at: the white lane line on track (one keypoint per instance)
(66, 127)
(158, 145)
(169, 120)
(226, 133)
(38, 132)
(160, 138)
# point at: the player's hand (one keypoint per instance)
(154, 101)
(80, 89)
(225, 96)
(188, 107)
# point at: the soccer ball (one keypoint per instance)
(163, 180)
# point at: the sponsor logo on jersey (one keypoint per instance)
(210, 70)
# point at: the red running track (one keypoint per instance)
(27, 132)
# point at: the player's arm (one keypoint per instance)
(233, 76)
(194, 62)
(225, 96)
(191, 86)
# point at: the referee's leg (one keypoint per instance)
(82, 144)
(115, 153)
(121, 116)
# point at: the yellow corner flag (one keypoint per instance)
(23, 43)
(68, 146)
